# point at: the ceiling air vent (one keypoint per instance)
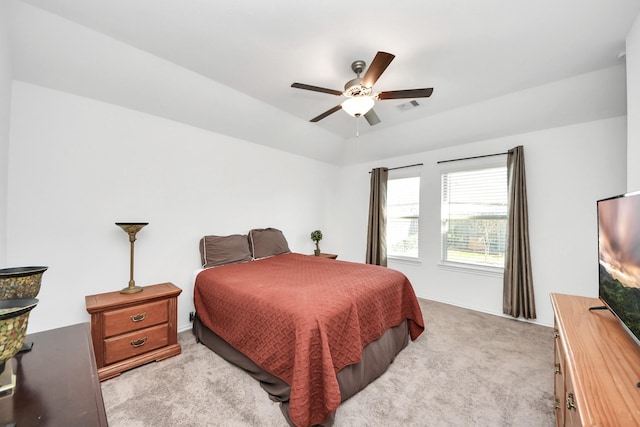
(408, 105)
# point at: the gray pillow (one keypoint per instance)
(266, 242)
(222, 250)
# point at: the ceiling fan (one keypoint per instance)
(359, 91)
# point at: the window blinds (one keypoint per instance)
(474, 216)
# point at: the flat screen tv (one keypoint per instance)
(619, 258)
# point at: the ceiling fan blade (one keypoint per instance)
(372, 117)
(316, 89)
(377, 67)
(326, 113)
(409, 93)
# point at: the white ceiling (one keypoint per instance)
(471, 52)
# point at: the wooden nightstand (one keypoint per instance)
(331, 256)
(129, 330)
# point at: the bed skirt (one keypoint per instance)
(376, 358)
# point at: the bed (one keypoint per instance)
(312, 330)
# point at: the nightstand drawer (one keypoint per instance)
(137, 317)
(135, 343)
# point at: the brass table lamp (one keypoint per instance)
(131, 228)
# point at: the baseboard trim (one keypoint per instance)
(535, 321)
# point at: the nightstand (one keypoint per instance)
(129, 330)
(331, 256)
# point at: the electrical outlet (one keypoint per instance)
(192, 316)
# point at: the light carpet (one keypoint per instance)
(467, 369)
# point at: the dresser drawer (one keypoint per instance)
(136, 317)
(135, 343)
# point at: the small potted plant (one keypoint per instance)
(316, 236)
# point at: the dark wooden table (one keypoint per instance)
(57, 382)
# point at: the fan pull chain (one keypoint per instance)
(358, 135)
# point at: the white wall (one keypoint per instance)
(78, 166)
(559, 103)
(568, 170)
(633, 106)
(5, 109)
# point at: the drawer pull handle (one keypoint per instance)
(139, 317)
(557, 368)
(139, 343)
(571, 402)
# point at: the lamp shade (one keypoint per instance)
(358, 105)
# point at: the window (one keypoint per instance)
(474, 216)
(403, 215)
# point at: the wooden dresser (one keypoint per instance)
(57, 382)
(129, 330)
(597, 366)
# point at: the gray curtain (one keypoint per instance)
(377, 230)
(518, 297)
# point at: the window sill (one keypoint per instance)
(471, 269)
(404, 259)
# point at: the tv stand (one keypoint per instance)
(597, 365)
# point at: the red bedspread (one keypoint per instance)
(304, 318)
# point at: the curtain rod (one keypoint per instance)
(402, 167)
(474, 157)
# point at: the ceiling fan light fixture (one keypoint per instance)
(359, 94)
(358, 105)
(353, 88)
